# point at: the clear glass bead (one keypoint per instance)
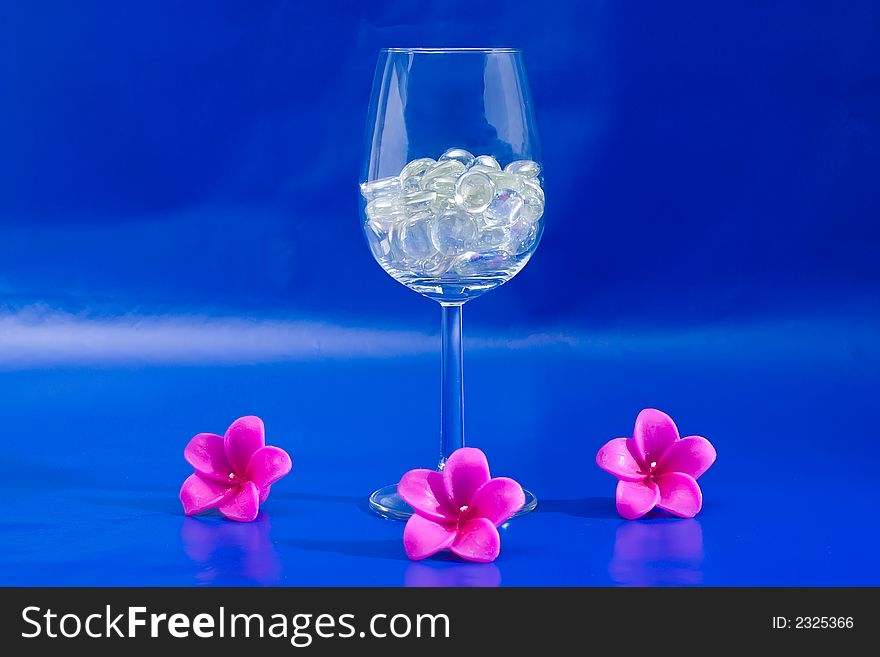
(445, 169)
(474, 191)
(383, 187)
(487, 161)
(504, 208)
(486, 263)
(412, 173)
(453, 232)
(414, 238)
(533, 199)
(524, 168)
(521, 236)
(415, 202)
(466, 158)
(443, 185)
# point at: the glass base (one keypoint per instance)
(387, 503)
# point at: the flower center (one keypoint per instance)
(462, 516)
(235, 479)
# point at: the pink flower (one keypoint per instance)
(657, 468)
(459, 508)
(233, 472)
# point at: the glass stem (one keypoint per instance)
(451, 383)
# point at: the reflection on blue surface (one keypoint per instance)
(658, 552)
(438, 573)
(231, 553)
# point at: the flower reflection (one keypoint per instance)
(657, 553)
(431, 574)
(231, 553)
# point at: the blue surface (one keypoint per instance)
(93, 460)
(179, 246)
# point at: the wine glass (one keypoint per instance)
(452, 194)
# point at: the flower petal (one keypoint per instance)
(497, 500)
(425, 491)
(198, 494)
(423, 537)
(244, 505)
(477, 540)
(680, 494)
(264, 493)
(692, 455)
(617, 457)
(268, 465)
(243, 437)
(654, 433)
(205, 452)
(465, 471)
(635, 499)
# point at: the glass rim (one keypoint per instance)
(439, 51)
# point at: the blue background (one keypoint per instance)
(179, 246)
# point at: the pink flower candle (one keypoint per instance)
(459, 508)
(657, 468)
(234, 472)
